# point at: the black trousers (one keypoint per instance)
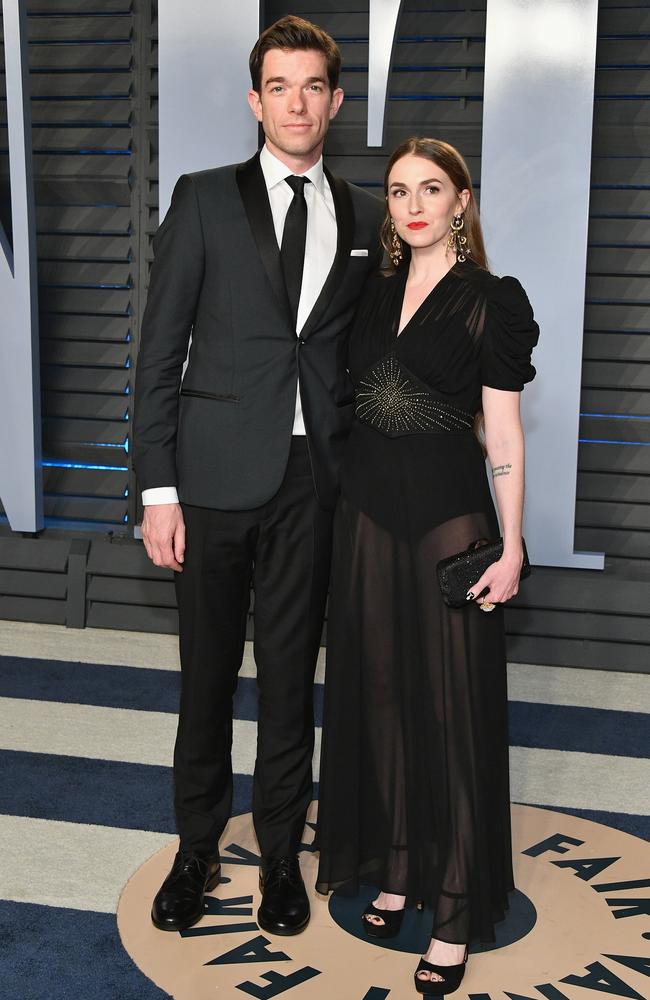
(283, 548)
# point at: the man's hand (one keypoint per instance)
(163, 534)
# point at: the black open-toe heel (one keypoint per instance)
(391, 925)
(452, 977)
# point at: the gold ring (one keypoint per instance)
(486, 606)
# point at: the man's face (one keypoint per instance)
(295, 104)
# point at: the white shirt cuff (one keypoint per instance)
(159, 494)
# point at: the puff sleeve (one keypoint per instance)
(508, 338)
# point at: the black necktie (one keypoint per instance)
(294, 237)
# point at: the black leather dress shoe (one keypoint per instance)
(285, 907)
(179, 901)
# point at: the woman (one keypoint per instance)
(414, 794)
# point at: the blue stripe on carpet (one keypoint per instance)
(558, 727)
(139, 796)
(590, 730)
(102, 792)
(90, 684)
(113, 687)
(637, 826)
(58, 953)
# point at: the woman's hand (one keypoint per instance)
(501, 580)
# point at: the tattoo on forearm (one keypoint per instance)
(501, 470)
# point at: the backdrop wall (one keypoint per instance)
(94, 109)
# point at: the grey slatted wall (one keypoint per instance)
(604, 619)
(5, 194)
(613, 510)
(82, 72)
(82, 64)
(91, 77)
(436, 88)
(125, 590)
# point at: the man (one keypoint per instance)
(261, 263)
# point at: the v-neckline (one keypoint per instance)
(400, 333)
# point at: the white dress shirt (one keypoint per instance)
(320, 250)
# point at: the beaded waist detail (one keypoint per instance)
(395, 402)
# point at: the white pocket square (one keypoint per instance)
(358, 253)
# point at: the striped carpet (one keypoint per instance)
(86, 732)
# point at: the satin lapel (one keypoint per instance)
(345, 225)
(254, 195)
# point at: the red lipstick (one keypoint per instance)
(417, 225)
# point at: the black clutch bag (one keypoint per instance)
(458, 574)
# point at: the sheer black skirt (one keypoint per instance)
(414, 793)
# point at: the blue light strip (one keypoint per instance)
(101, 444)
(614, 416)
(621, 97)
(617, 66)
(624, 36)
(82, 465)
(417, 97)
(434, 69)
(91, 287)
(81, 523)
(644, 444)
(99, 13)
(414, 39)
(81, 124)
(81, 41)
(99, 497)
(87, 97)
(403, 39)
(415, 69)
(81, 152)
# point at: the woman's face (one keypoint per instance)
(422, 201)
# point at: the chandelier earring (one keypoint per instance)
(457, 242)
(396, 252)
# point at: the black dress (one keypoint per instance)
(414, 793)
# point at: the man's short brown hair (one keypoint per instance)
(293, 32)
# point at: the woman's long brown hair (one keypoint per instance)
(448, 159)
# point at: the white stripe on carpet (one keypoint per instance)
(526, 682)
(579, 780)
(96, 645)
(108, 733)
(569, 686)
(87, 731)
(70, 864)
(539, 777)
(89, 645)
(581, 688)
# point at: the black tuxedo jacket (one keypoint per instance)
(224, 440)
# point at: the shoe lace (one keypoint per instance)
(190, 864)
(283, 870)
